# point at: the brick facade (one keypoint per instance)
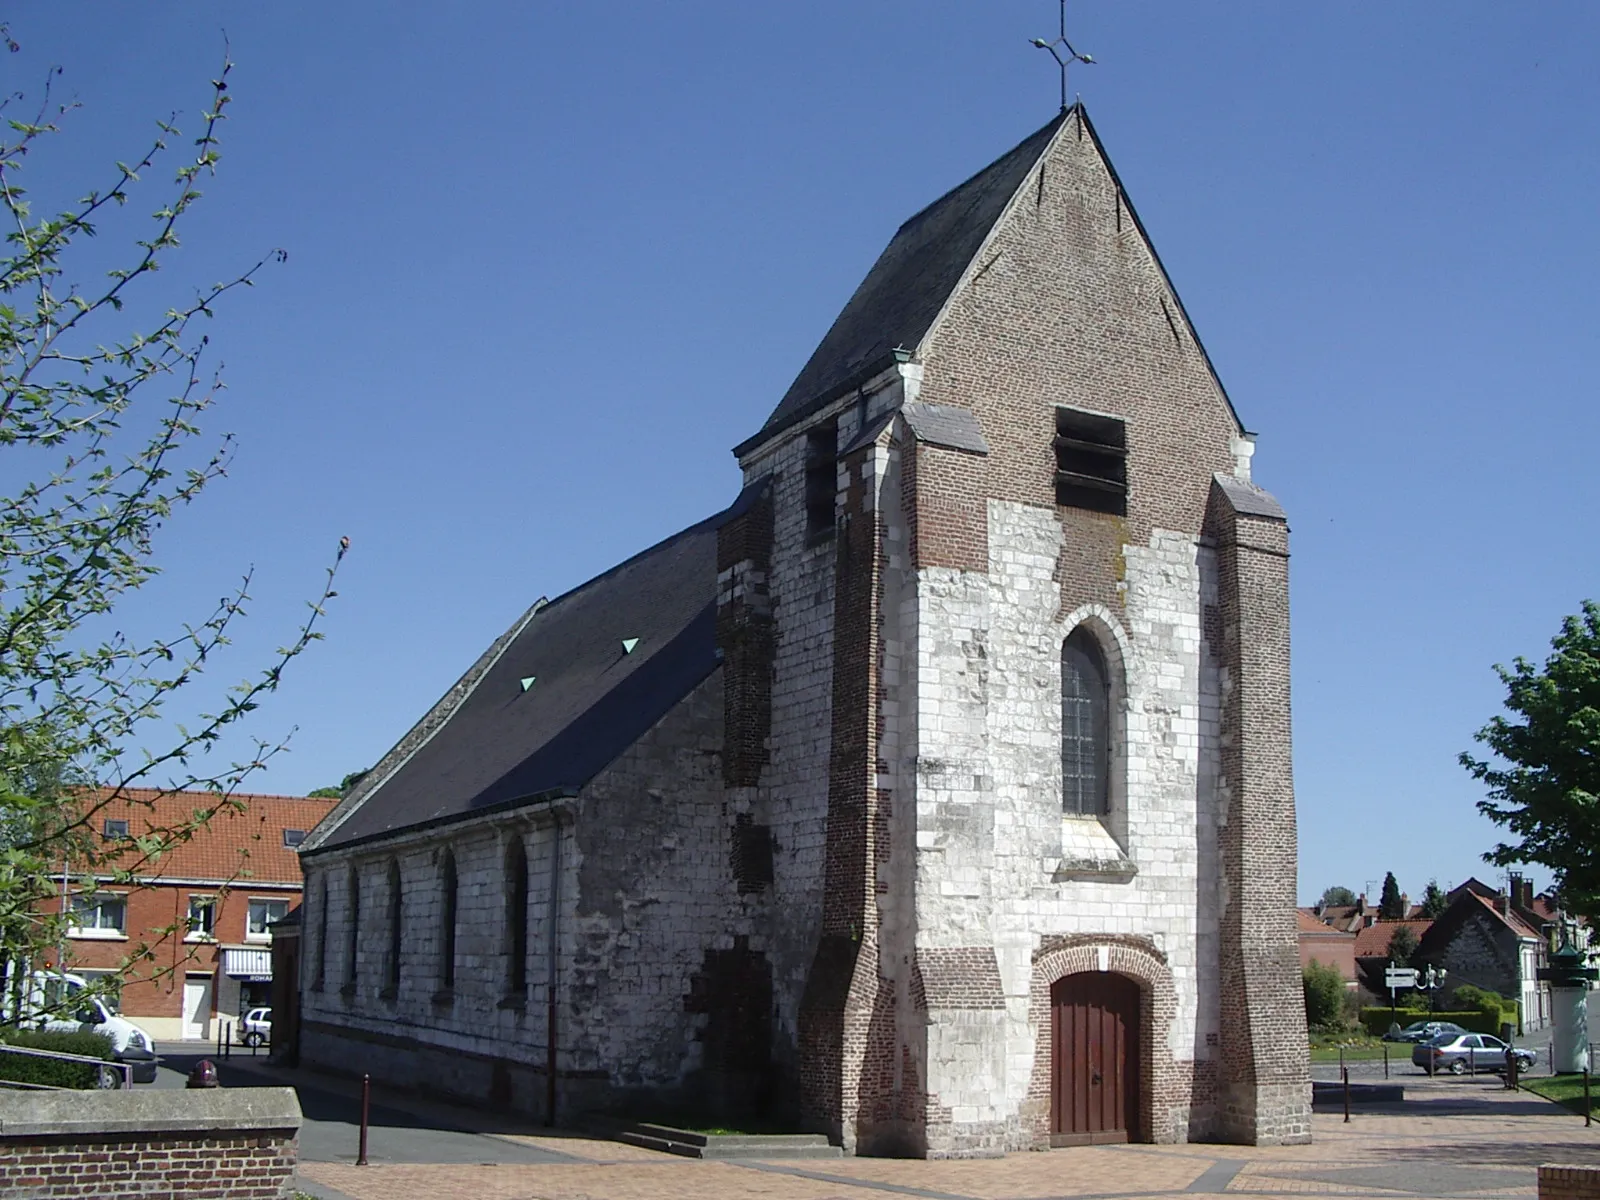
(210, 1146)
(1564, 1182)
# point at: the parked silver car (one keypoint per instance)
(1460, 1053)
(256, 1028)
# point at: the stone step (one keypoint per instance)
(690, 1143)
(696, 1138)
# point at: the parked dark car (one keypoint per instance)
(1422, 1031)
(1460, 1053)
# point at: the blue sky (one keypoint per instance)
(548, 263)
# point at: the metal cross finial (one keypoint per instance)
(1072, 55)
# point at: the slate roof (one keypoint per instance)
(907, 287)
(945, 425)
(246, 844)
(502, 746)
(1248, 500)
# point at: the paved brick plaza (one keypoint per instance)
(1464, 1141)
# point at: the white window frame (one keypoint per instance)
(201, 935)
(97, 931)
(250, 935)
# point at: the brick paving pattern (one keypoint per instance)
(1458, 1141)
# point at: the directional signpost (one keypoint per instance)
(1400, 977)
(1394, 979)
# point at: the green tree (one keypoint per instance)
(1392, 905)
(1325, 996)
(1544, 777)
(102, 386)
(1434, 901)
(1337, 897)
(1402, 945)
(340, 790)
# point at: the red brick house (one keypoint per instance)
(1329, 946)
(223, 888)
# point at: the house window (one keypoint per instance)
(102, 915)
(202, 917)
(293, 837)
(517, 920)
(1091, 462)
(262, 914)
(115, 829)
(392, 967)
(822, 478)
(321, 973)
(1085, 726)
(447, 923)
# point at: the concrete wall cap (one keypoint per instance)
(221, 1110)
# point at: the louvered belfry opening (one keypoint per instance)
(1091, 462)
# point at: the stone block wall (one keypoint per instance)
(211, 1145)
(641, 869)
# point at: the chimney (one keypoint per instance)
(1521, 891)
(1501, 903)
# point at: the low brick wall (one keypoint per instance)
(212, 1144)
(1558, 1181)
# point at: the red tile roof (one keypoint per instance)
(245, 843)
(1310, 923)
(1373, 941)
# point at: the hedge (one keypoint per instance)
(1378, 1020)
(25, 1068)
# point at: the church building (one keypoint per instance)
(935, 795)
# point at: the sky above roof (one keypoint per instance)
(548, 263)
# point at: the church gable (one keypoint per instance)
(1066, 304)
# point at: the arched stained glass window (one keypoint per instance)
(392, 980)
(1085, 725)
(517, 919)
(353, 933)
(447, 922)
(322, 931)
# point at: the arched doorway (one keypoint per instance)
(1094, 1070)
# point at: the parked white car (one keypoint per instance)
(85, 1014)
(256, 1027)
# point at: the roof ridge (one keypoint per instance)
(715, 520)
(1057, 120)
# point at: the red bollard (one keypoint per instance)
(366, 1104)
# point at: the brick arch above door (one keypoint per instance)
(1164, 1082)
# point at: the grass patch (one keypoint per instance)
(1357, 1044)
(1399, 1052)
(1565, 1090)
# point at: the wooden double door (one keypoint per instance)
(1094, 1070)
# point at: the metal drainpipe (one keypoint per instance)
(550, 981)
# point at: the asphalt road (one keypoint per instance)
(332, 1115)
